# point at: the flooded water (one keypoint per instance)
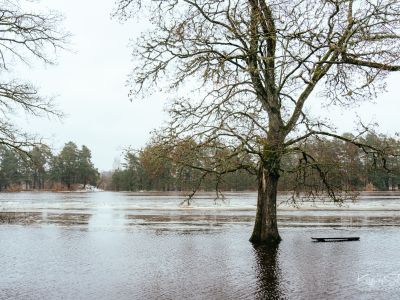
(147, 246)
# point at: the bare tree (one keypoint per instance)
(251, 66)
(24, 35)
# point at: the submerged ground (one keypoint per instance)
(146, 246)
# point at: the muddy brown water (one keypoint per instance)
(145, 246)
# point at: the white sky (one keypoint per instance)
(90, 86)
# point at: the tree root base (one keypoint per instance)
(268, 241)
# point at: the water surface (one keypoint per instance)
(147, 246)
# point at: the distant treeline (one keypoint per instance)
(344, 165)
(146, 171)
(187, 166)
(41, 169)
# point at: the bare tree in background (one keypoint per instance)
(241, 71)
(24, 35)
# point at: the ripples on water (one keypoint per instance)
(145, 246)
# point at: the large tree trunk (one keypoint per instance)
(266, 226)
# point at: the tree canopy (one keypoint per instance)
(252, 65)
(25, 36)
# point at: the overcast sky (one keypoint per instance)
(89, 82)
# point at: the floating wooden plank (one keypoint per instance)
(336, 239)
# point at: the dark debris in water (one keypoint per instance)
(19, 217)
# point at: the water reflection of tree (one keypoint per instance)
(268, 273)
